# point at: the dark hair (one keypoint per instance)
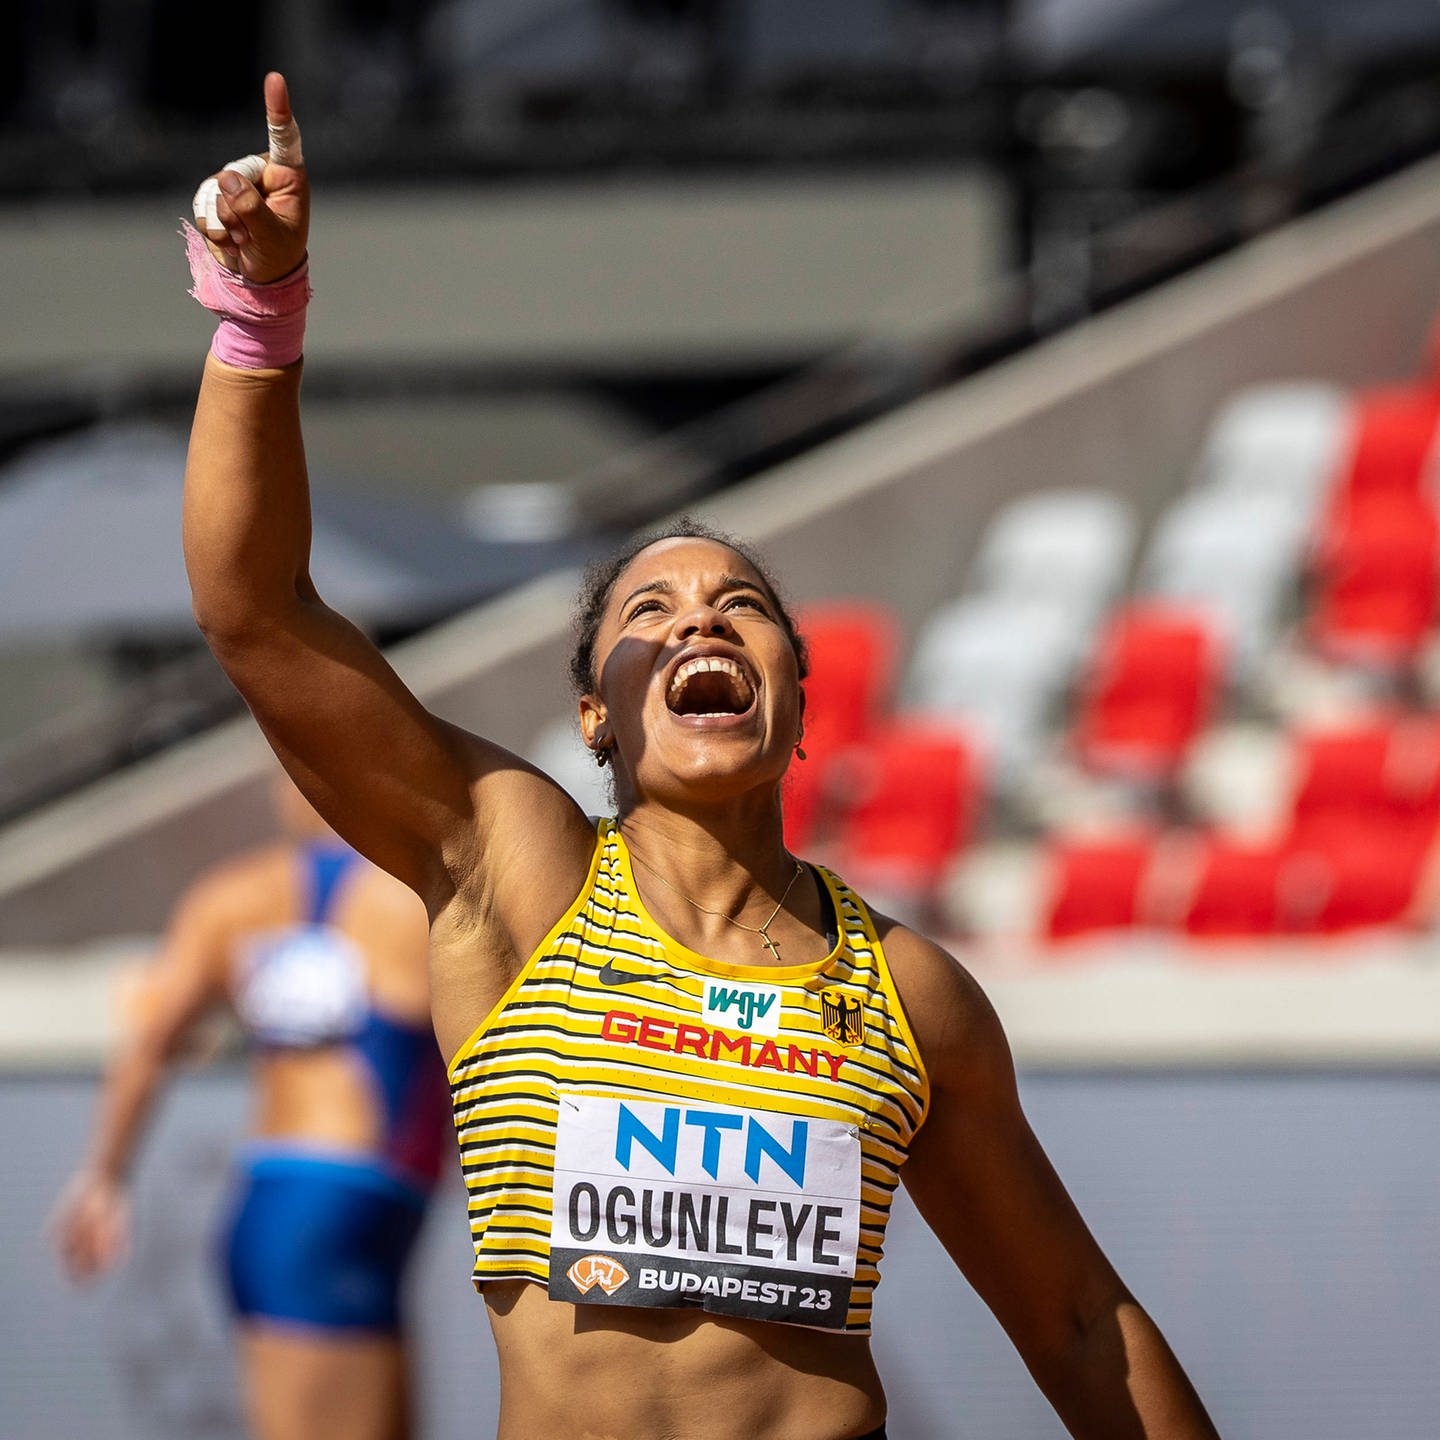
(600, 577)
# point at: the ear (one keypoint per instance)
(592, 718)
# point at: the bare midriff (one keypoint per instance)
(320, 1096)
(583, 1372)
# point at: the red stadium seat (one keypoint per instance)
(1366, 811)
(1239, 890)
(1151, 686)
(1345, 880)
(1382, 771)
(913, 795)
(1371, 875)
(1376, 572)
(1393, 434)
(1096, 884)
(1364, 818)
(854, 646)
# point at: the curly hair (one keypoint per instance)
(600, 577)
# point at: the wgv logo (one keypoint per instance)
(752, 1008)
(716, 1139)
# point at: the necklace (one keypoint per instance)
(763, 931)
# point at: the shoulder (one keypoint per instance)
(954, 1023)
(236, 888)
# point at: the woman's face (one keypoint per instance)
(698, 688)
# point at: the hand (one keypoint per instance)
(255, 213)
(90, 1225)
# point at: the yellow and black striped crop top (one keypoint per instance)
(640, 1125)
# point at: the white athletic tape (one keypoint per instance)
(205, 203)
(285, 143)
(284, 150)
(251, 167)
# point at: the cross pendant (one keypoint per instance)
(770, 945)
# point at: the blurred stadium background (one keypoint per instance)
(1073, 360)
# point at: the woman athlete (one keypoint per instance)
(322, 959)
(687, 1066)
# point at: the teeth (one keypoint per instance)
(706, 663)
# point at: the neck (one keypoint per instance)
(730, 847)
(698, 878)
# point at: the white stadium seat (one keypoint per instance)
(1235, 553)
(996, 664)
(1071, 547)
(1285, 440)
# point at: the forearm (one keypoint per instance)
(247, 502)
(1121, 1381)
(127, 1098)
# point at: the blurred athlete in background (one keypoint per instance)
(322, 960)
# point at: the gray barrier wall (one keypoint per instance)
(1283, 1230)
(612, 273)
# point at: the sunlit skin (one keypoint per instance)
(499, 852)
(679, 599)
(699, 797)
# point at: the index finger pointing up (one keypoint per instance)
(284, 132)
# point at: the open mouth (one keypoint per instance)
(710, 685)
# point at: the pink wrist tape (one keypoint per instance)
(262, 327)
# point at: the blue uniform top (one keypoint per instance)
(305, 985)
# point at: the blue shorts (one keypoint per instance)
(321, 1241)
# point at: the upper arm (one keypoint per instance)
(188, 976)
(978, 1174)
(390, 777)
(443, 810)
(424, 800)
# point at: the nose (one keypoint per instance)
(702, 619)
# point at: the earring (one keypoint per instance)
(799, 749)
(602, 755)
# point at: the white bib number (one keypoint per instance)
(740, 1212)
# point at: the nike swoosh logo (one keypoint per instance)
(608, 974)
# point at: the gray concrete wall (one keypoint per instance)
(1281, 1229)
(609, 273)
(892, 510)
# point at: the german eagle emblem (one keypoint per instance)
(843, 1017)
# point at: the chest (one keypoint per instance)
(594, 1016)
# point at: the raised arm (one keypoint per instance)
(426, 801)
(91, 1222)
(985, 1187)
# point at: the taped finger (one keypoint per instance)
(285, 143)
(251, 167)
(207, 217)
(204, 205)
